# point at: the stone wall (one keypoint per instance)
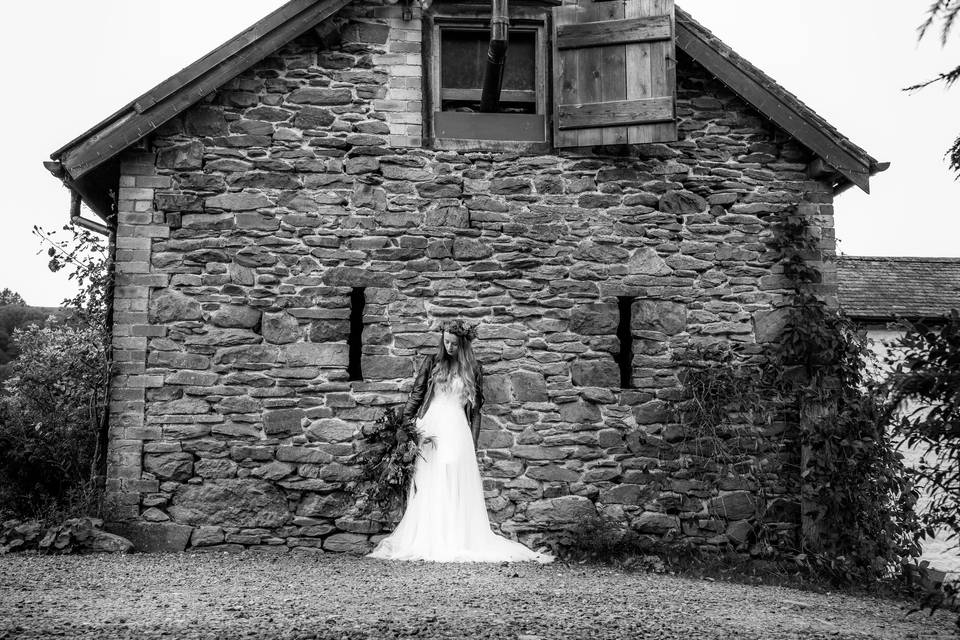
(245, 228)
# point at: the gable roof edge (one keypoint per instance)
(172, 96)
(776, 103)
(187, 87)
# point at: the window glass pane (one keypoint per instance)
(463, 56)
(519, 72)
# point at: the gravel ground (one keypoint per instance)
(300, 596)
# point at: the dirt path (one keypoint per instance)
(299, 596)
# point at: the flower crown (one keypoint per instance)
(459, 328)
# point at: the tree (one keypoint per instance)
(924, 406)
(10, 297)
(50, 443)
(13, 317)
(53, 408)
(946, 13)
(85, 255)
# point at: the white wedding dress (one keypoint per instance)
(446, 516)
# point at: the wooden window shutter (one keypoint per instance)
(614, 72)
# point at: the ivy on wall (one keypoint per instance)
(856, 499)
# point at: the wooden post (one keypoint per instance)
(813, 412)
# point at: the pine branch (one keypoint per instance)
(945, 10)
(948, 21)
(954, 155)
(932, 14)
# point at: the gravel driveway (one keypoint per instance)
(299, 595)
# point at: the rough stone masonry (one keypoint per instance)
(247, 223)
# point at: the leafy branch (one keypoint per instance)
(945, 12)
(85, 253)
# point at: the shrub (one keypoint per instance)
(926, 374)
(856, 497)
(8, 297)
(923, 404)
(605, 539)
(53, 408)
(13, 317)
(49, 420)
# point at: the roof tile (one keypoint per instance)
(885, 287)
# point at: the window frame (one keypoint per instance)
(535, 19)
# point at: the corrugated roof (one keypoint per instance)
(882, 288)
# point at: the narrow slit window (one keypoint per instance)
(625, 335)
(355, 341)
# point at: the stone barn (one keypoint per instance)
(294, 212)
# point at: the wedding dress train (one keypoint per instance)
(446, 515)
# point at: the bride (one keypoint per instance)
(446, 516)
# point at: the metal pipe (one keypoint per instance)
(111, 283)
(496, 56)
(90, 225)
(77, 219)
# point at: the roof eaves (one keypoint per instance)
(172, 96)
(776, 103)
(166, 100)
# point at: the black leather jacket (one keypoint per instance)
(422, 391)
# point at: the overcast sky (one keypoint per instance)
(70, 64)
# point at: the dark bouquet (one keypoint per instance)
(387, 456)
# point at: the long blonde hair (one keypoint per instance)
(446, 366)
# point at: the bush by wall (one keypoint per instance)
(49, 417)
(52, 407)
